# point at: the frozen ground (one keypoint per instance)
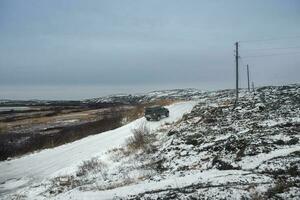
(217, 150)
(49, 163)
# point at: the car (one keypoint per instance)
(156, 113)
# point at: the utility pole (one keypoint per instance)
(248, 78)
(253, 87)
(237, 72)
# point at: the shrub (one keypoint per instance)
(18, 197)
(293, 141)
(280, 186)
(255, 195)
(141, 139)
(60, 184)
(92, 166)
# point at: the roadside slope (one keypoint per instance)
(51, 162)
(217, 151)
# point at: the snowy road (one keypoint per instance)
(51, 162)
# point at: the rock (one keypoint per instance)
(222, 165)
(192, 142)
(209, 120)
(64, 181)
(172, 132)
(260, 106)
(293, 141)
(279, 142)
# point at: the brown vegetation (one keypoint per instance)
(92, 166)
(141, 139)
(24, 132)
(14, 144)
(3, 127)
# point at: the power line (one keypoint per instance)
(272, 48)
(237, 57)
(267, 55)
(270, 39)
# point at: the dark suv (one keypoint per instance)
(156, 113)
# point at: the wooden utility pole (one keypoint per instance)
(237, 71)
(248, 78)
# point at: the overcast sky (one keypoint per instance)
(136, 43)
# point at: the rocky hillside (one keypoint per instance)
(250, 151)
(177, 94)
(116, 99)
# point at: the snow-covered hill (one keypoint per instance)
(216, 151)
(179, 94)
(176, 94)
(36, 167)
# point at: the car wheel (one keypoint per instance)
(158, 118)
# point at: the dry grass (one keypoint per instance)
(3, 127)
(28, 121)
(280, 186)
(92, 166)
(19, 197)
(257, 196)
(142, 139)
(118, 153)
(84, 116)
(114, 185)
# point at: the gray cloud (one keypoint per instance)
(143, 42)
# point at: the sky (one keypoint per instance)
(97, 47)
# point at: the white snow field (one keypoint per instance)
(26, 170)
(173, 181)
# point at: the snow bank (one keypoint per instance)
(65, 159)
